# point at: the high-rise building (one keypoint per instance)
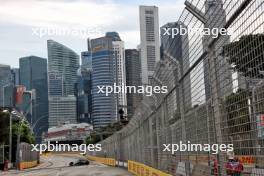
(6, 86)
(84, 87)
(55, 84)
(61, 110)
(119, 68)
(149, 41)
(63, 65)
(64, 61)
(83, 94)
(104, 109)
(33, 75)
(177, 48)
(216, 18)
(132, 79)
(15, 76)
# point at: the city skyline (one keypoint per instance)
(16, 45)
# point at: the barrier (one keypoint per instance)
(106, 161)
(142, 170)
(28, 164)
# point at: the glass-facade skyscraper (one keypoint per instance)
(84, 86)
(119, 69)
(65, 61)
(103, 107)
(132, 79)
(55, 84)
(63, 66)
(6, 86)
(33, 75)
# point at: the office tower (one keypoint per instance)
(6, 86)
(177, 48)
(132, 79)
(84, 87)
(63, 66)
(61, 110)
(103, 107)
(149, 41)
(64, 61)
(15, 76)
(86, 57)
(55, 84)
(216, 18)
(83, 94)
(119, 68)
(33, 75)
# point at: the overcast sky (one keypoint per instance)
(22, 20)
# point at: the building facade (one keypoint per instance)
(33, 75)
(149, 41)
(64, 61)
(172, 47)
(55, 84)
(119, 68)
(61, 110)
(132, 79)
(6, 86)
(104, 109)
(84, 96)
(15, 76)
(68, 133)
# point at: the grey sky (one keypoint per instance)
(19, 19)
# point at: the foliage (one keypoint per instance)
(103, 133)
(4, 126)
(247, 55)
(26, 134)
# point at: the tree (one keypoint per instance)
(247, 55)
(4, 126)
(103, 133)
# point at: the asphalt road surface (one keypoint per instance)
(58, 165)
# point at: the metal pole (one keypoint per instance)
(3, 93)
(18, 142)
(10, 138)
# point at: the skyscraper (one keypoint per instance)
(15, 76)
(64, 61)
(103, 107)
(149, 41)
(119, 68)
(216, 18)
(6, 86)
(56, 81)
(177, 47)
(132, 79)
(84, 87)
(33, 75)
(63, 66)
(61, 110)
